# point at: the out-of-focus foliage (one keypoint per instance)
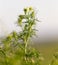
(55, 59)
(15, 49)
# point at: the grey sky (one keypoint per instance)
(47, 13)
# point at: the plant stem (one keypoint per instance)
(25, 47)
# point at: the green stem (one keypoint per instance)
(25, 47)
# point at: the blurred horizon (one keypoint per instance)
(47, 13)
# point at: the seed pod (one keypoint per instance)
(25, 10)
(30, 8)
